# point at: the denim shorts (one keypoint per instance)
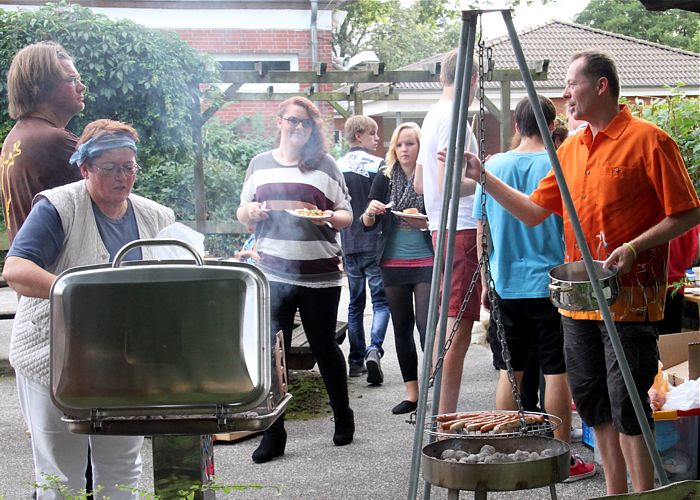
(595, 377)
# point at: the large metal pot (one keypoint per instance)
(570, 287)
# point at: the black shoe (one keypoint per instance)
(374, 368)
(404, 406)
(273, 443)
(344, 428)
(358, 371)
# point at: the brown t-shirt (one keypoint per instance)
(34, 157)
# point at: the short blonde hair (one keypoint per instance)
(448, 68)
(391, 159)
(358, 125)
(34, 73)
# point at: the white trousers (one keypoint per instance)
(116, 460)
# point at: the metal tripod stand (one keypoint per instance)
(453, 169)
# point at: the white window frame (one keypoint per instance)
(292, 59)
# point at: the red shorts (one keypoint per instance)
(464, 265)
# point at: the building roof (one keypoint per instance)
(640, 63)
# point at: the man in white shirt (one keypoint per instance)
(435, 135)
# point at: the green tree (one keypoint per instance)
(401, 32)
(679, 116)
(146, 77)
(675, 28)
(228, 148)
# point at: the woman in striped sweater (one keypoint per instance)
(300, 255)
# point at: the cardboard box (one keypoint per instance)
(680, 355)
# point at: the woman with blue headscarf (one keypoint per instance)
(78, 224)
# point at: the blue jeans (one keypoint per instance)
(361, 268)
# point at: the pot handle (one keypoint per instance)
(156, 242)
(558, 288)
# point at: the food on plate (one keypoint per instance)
(485, 421)
(413, 211)
(309, 212)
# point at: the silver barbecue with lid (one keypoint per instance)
(165, 347)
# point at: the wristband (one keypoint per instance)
(631, 248)
(369, 216)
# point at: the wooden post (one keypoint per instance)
(505, 115)
(358, 103)
(200, 203)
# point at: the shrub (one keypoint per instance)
(679, 116)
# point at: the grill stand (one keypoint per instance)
(480, 493)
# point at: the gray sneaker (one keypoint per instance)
(374, 368)
(357, 371)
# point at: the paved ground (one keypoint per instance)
(375, 466)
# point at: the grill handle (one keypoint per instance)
(556, 287)
(153, 243)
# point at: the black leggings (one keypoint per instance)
(318, 308)
(400, 298)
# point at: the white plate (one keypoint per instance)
(409, 216)
(310, 217)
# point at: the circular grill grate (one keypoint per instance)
(544, 425)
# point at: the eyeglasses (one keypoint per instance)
(294, 122)
(112, 169)
(73, 80)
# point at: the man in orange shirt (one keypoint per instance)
(632, 194)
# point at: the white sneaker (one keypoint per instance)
(576, 434)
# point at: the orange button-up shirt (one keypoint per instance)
(622, 182)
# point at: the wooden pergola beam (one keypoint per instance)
(316, 96)
(330, 77)
(354, 76)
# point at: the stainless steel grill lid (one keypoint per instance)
(152, 338)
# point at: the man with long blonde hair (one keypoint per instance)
(44, 92)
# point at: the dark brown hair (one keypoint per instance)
(525, 115)
(600, 65)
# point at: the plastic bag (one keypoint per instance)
(657, 393)
(179, 231)
(684, 397)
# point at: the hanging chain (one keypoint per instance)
(484, 261)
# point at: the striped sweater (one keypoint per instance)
(293, 250)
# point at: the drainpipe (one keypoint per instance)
(314, 34)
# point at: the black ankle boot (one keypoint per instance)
(273, 442)
(344, 428)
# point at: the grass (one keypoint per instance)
(310, 399)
